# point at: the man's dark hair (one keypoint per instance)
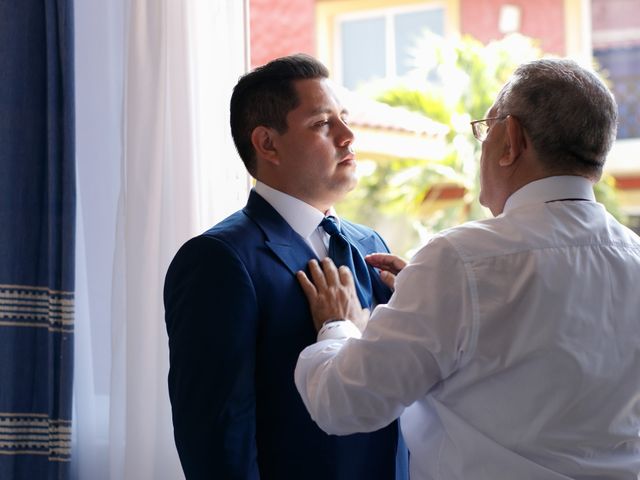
(264, 97)
(569, 113)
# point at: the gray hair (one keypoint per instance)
(568, 112)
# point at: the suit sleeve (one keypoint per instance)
(211, 316)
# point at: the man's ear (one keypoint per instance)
(262, 139)
(516, 142)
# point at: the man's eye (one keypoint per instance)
(322, 123)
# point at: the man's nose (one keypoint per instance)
(345, 136)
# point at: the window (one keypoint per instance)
(378, 44)
(616, 47)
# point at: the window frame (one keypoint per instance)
(388, 13)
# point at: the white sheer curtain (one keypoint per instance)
(156, 166)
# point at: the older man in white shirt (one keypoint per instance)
(511, 346)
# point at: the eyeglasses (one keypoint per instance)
(480, 128)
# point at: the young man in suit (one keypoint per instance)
(236, 315)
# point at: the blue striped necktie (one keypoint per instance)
(342, 252)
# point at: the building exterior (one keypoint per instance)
(364, 40)
(616, 47)
(281, 27)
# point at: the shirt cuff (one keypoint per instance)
(338, 330)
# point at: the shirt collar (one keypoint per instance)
(301, 217)
(550, 189)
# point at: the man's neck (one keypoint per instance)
(324, 207)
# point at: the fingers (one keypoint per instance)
(346, 278)
(317, 275)
(308, 288)
(331, 275)
(321, 277)
(330, 292)
(386, 262)
(377, 260)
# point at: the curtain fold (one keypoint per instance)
(178, 174)
(159, 209)
(37, 227)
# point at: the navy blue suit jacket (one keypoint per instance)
(237, 320)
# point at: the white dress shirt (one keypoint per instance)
(301, 217)
(511, 348)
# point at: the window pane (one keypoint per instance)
(616, 47)
(623, 67)
(408, 27)
(363, 51)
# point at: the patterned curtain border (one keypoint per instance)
(40, 307)
(35, 434)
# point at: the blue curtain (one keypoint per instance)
(37, 222)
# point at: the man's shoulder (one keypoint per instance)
(356, 227)
(537, 227)
(236, 225)
(480, 238)
(227, 234)
(367, 237)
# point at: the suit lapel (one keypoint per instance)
(291, 255)
(281, 239)
(291, 249)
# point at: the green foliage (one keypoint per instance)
(453, 82)
(605, 191)
(418, 101)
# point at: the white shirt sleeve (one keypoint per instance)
(420, 337)
(338, 330)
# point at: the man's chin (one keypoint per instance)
(345, 186)
(352, 184)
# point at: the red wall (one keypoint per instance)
(281, 27)
(615, 14)
(542, 19)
